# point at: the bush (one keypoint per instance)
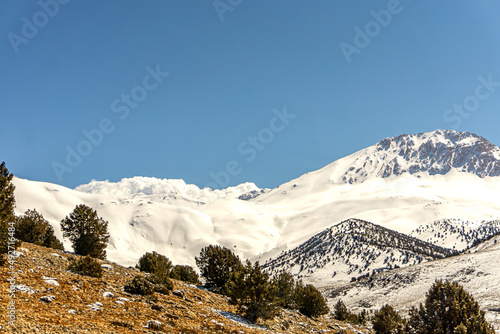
(448, 308)
(139, 286)
(33, 228)
(87, 231)
(216, 264)
(161, 283)
(310, 301)
(387, 321)
(155, 263)
(186, 274)
(86, 266)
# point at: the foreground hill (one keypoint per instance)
(50, 299)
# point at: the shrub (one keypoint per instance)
(310, 301)
(155, 263)
(33, 228)
(161, 283)
(216, 264)
(448, 308)
(86, 266)
(186, 274)
(387, 321)
(139, 286)
(87, 231)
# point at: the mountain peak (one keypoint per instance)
(436, 152)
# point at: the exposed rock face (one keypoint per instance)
(436, 152)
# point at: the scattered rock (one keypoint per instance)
(157, 307)
(24, 288)
(108, 294)
(154, 325)
(47, 299)
(178, 293)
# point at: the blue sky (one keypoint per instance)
(259, 91)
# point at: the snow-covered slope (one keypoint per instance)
(177, 219)
(404, 288)
(173, 223)
(352, 249)
(456, 233)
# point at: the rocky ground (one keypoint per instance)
(50, 299)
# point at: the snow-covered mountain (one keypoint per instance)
(177, 219)
(352, 249)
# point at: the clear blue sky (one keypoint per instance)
(87, 64)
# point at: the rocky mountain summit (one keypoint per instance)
(436, 152)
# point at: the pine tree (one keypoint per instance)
(282, 290)
(310, 301)
(33, 228)
(185, 273)
(216, 264)
(387, 321)
(155, 263)
(448, 308)
(7, 205)
(87, 231)
(249, 287)
(341, 312)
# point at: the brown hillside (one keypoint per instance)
(70, 303)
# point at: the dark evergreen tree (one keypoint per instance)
(448, 309)
(185, 273)
(387, 321)
(33, 228)
(310, 301)
(87, 231)
(155, 263)
(341, 312)
(7, 205)
(282, 290)
(249, 287)
(216, 264)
